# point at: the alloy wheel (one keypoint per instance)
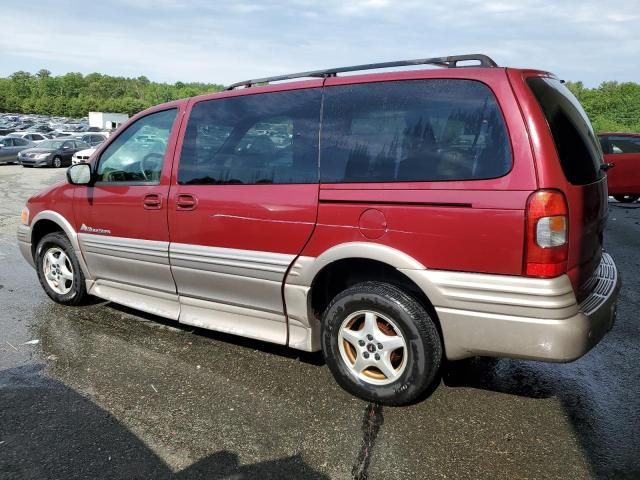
(372, 347)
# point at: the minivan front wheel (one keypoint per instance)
(626, 198)
(381, 344)
(59, 271)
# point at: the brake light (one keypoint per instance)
(547, 234)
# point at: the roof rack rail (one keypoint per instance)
(447, 62)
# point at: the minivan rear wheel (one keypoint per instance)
(381, 344)
(59, 271)
(626, 198)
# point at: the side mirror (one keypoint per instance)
(79, 174)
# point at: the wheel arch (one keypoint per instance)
(313, 283)
(49, 221)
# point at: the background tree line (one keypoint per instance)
(74, 94)
(612, 106)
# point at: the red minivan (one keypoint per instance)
(622, 154)
(391, 220)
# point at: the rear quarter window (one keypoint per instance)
(578, 149)
(416, 130)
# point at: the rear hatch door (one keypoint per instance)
(580, 156)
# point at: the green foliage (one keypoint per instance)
(75, 95)
(612, 107)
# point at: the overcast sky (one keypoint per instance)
(222, 42)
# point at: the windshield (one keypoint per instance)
(52, 144)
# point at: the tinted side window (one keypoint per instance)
(253, 139)
(418, 130)
(137, 154)
(624, 144)
(20, 142)
(578, 149)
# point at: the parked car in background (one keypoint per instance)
(11, 146)
(93, 139)
(622, 150)
(393, 220)
(41, 128)
(82, 156)
(52, 153)
(34, 137)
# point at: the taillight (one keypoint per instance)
(547, 234)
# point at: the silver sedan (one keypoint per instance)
(11, 146)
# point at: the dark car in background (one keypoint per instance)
(11, 146)
(623, 151)
(93, 139)
(51, 153)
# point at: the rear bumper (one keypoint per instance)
(523, 318)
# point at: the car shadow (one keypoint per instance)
(50, 431)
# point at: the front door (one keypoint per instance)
(121, 219)
(243, 207)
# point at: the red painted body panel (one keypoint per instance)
(448, 238)
(269, 218)
(120, 208)
(58, 198)
(624, 178)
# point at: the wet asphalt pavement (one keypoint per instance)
(107, 392)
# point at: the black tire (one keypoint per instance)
(78, 292)
(626, 198)
(56, 162)
(424, 345)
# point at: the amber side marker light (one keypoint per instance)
(547, 234)
(24, 216)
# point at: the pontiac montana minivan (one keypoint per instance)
(391, 219)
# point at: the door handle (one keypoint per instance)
(186, 201)
(152, 201)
